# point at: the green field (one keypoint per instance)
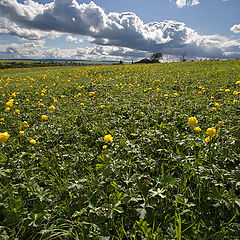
(114, 152)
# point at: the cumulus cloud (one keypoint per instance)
(114, 31)
(70, 38)
(235, 28)
(184, 3)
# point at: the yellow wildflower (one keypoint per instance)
(104, 146)
(192, 121)
(51, 108)
(17, 111)
(21, 133)
(197, 129)
(25, 124)
(207, 139)
(4, 137)
(44, 117)
(221, 123)
(211, 132)
(108, 138)
(32, 141)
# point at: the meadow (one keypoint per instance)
(121, 152)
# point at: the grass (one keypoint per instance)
(116, 157)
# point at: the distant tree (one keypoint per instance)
(156, 57)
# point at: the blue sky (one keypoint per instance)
(126, 29)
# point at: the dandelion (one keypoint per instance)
(32, 141)
(235, 101)
(211, 132)
(44, 117)
(4, 137)
(55, 101)
(51, 108)
(212, 98)
(214, 108)
(216, 104)
(104, 146)
(81, 104)
(102, 106)
(21, 133)
(7, 109)
(192, 121)
(198, 129)
(166, 96)
(25, 124)
(227, 90)
(108, 138)
(176, 94)
(1, 119)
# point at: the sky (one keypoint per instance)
(119, 29)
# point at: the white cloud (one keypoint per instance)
(195, 2)
(185, 3)
(181, 3)
(235, 28)
(119, 33)
(70, 38)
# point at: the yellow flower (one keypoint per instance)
(21, 133)
(216, 104)
(192, 121)
(221, 123)
(27, 100)
(51, 108)
(25, 124)
(197, 129)
(108, 138)
(102, 106)
(237, 82)
(165, 96)
(44, 117)
(17, 111)
(235, 93)
(158, 89)
(199, 93)
(4, 137)
(92, 93)
(211, 132)
(214, 108)
(55, 101)
(221, 90)
(207, 139)
(212, 98)
(176, 94)
(7, 109)
(1, 119)
(32, 141)
(227, 90)
(235, 101)
(104, 146)
(81, 104)
(9, 104)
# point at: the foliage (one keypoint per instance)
(114, 152)
(156, 57)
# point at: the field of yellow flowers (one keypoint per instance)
(121, 152)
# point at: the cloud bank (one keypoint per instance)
(120, 32)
